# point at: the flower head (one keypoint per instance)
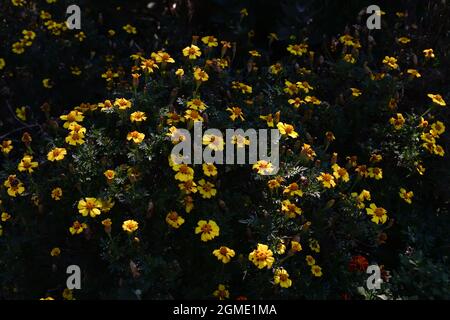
(208, 230)
(281, 278)
(262, 256)
(224, 254)
(89, 206)
(130, 226)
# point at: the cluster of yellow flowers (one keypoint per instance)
(26, 41)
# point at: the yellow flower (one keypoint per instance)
(293, 189)
(56, 154)
(236, 112)
(438, 150)
(304, 86)
(310, 260)
(391, 62)
(404, 40)
(109, 75)
(47, 298)
(75, 138)
(297, 49)
(188, 186)
(208, 229)
(76, 71)
(316, 271)
(67, 294)
(243, 12)
(275, 68)
(437, 99)
(14, 185)
(290, 88)
(18, 47)
(308, 151)
(281, 277)
(130, 226)
(378, 214)
(179, 72)
(438, 128)
(290, 209)
(18, 3)
(327, 180)
(222, 293)
(138, 116)
(224, 254)
(5, 216)
(107, 204)
(136, 136)
(107, 223)
(297, 102)
(213, 142)
(376, 173)
(200, 75)
(174, 220)
(313, 100)
(356, 92)
(193, 52)
(349, 58)
(429, 53)
(122, 103)
(209, 169)
(21, 113)
(296, 246)
(347, 40)
(414, 73)
(406, 195)
(27, 164)
(47, 83)
(109, 174)
(269, 119)
(129, 29)
(149, 65)
(374, 158)
(274, 183)
(77, 227)
(240, 140)
(206, 189)
(188, 203)
(244, 88)
(287, 129)
(262, 256)
(210, 41)
(193, 115)
(397, 122)
(281, 247)
(184, 172)
(55, 252)
(57, 194)
(162, 57)
(254, 53)
(340, 173)
(6, 146)
(80, 36)
(72, 116)
(263, 167)
(89, 206)
(196, 104)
